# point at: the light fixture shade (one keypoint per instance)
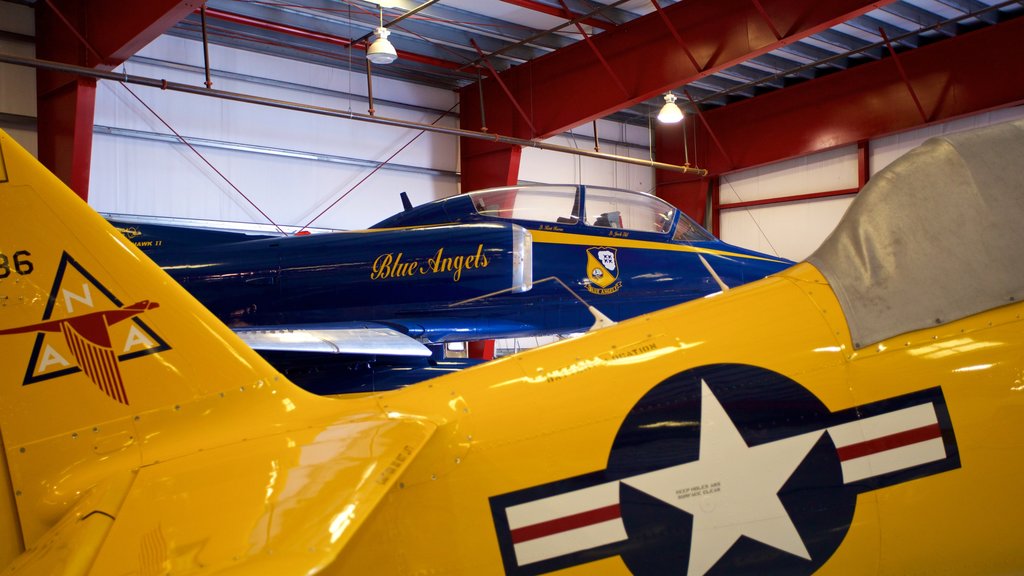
(381, 51)
(670, 112)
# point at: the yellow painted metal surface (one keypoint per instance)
(10, 532)
(211, 462)
(230, 463)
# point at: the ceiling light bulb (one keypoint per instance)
(670, 112)
(381, 51)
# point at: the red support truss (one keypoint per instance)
(569, 87)
(95, 33)
(964, 75)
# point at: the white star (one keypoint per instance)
(732, 489)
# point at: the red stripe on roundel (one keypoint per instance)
(565, 524)
(898, 440)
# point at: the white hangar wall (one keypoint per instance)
(294, 165)
(545, 167)
(291, 165)
(18, 83)
(795, 229)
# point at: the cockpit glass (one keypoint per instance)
(605, 208)
(555, 204)
(608, 208)
(689, 231)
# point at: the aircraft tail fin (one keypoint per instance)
(101, 350)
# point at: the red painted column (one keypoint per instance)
(96, 34)
(487, 164)
(65, 116)
(688, 193)
(484, 164)
(482, 350)
(65, 104)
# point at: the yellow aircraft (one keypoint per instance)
(859, 413)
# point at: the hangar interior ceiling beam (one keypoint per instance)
(940, 81)
(563, 12)
(951, 78)
(359, 44)
(568, 87)
(95, 34)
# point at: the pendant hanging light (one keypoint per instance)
(670, 112)
(381, 51)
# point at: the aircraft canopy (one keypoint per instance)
(934, 237)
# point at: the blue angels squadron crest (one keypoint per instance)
(603, 270)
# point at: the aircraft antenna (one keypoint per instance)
(722, 285)
(600, 319)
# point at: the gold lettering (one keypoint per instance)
(390, 265)
(481, 258)
(381, 267)
(457, 263)
(439, 263)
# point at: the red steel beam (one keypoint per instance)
(903, 74)
(567, 88)
(320, 37)
(553, 11)
(687, 193)
(675, 34)
(94, 33)
(787, 199)
(504, 88)
(645, 55)
(704, 123)
(952, 78)
(767, 19)
(498, 166)
(863, 163)
(596, 51)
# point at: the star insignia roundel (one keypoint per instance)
(726, 469)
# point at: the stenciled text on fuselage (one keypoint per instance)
(394, 265)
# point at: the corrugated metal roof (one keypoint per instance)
(436, 42)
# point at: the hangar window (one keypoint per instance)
(607, 208)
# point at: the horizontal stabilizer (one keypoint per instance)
(378, 340)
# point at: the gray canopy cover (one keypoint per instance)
(936, 236)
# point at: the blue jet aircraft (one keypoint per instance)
(469, 267)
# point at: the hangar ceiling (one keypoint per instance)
(768, 79)
(437, 40)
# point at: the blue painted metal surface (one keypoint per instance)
(653, 247)
(623, 253)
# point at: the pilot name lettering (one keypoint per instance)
(394, 265)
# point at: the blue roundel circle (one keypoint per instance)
(663, 431)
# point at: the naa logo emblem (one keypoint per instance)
(603, 270)
(85, 328)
